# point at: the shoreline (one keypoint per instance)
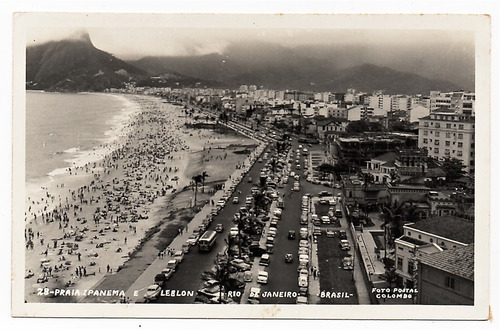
(86, 232)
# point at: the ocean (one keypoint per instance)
(63, 130)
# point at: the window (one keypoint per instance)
(447, 143)
(426, 124)
(426, 132)
(438, 125)
(461, 126)
(460, 136)
(409, 233)
(450, 283)
(425, 140)
(419, 236)
(472, 145)
(400, 263)
(431, 240)
(410, 267)
(448, 135)
(448, 125)
(436, 142)
(436, 150)
(446, 152)
(437, 134)
(460, 144)
(459, 153)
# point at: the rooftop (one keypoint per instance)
(450, 227)
(387, 157)
(458, 261)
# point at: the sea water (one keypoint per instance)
(64, 130)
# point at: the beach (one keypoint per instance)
(93, 217)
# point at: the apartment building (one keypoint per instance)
(459, 101)
(449, 134)
(427, 237)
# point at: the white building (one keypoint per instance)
(448, 134)
(417, 112)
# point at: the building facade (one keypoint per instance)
(449, 134)
(446, 278)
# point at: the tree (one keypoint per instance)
(367, 179)
(343, 166)
(358, 126)
(203, 176)
(220, 274)
(197, 179)
(326, 168)
(393, 218)
(453, 168)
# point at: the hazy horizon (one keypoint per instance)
(135, 43)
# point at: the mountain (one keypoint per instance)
(74, 64)
(369, 77)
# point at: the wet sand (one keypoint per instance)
(103, 215)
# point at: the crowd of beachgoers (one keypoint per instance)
(87, 222)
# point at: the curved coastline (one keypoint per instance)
(120, 239)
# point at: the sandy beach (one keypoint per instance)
(89, 221)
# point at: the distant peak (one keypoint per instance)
(81, 35)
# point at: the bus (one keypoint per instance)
(338, 210)
(207, 241)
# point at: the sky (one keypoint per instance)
(135, 36)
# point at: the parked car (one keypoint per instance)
(303, 282)
(236, 200)
(262, 277)
(348, 263)
(272, 231)
(342, 234)
(152, 292)
(167, 273)
(303, 250)
(330, 233)
(254, 296)
(325, 220)
(172, 264)
(344, 244)
(179, 256)
(265, 259)
(247, 276)
(240, 264)
(160, 279)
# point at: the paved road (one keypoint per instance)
(188, 274)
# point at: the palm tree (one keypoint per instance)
(393, 217)
(203, 176)
(367, 179)
(220, 274)
(197, 179)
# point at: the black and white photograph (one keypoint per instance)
(184, 165)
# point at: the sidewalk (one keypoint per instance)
(147, 277)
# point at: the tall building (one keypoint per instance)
(400, 102)
(459, 101)
(449, 134)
